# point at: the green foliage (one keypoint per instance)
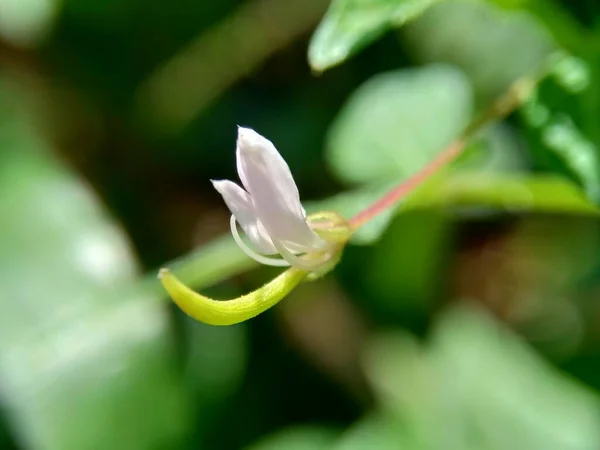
(299, 438)
(560, 137)
(73, 345)
(396, 122)
(472, 383)
(376, 430)
(509, 44)
(349, 25)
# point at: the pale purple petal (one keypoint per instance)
(240, 204)
(268, 179)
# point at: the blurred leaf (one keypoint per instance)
(532, 277)
(26, 23)
(493, 47)
(516, 399)
(497, 149)
(560, 124)
(375, 431)
(208, 264)
(396, 122)
(215, 367)
(222, 349)
(577, 152)
(534, 193)
(349, 25)
(406, 260)
(405, 387)
(80, 365)
(477, 387)
(559, 20)
(298, 438)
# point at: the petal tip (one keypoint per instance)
(220, 185)
(242, 131)
(249, 140)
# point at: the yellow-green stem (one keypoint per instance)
(229, 312)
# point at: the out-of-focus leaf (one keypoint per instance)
(397, 122)
(573, 74)
(224, 351)
(349, 25)
(209, 264)
(478, 387)
(402, 266)
(510, 192)
(214, 367)
(560, 127)
(503, 385)
(493, 47)
(532, 276)
(298, 438)
(497, 149)
(376, 431)
(558, 20)
(25, 23)
(80, 365)
(400, 374)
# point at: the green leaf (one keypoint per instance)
(562, 137)
(478, 387)
(377, 431)
(571, 33)
(517, 400)
(307, 437)
(529, 193)
(493, 47)
(350, 25)
(82, 365)
(560, 128)
(27, 24)
(226, 356)
(497, 149)
(207, 265)
(417, 243)
(396, 122)
(397, 368)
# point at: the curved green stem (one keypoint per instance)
(229, 312)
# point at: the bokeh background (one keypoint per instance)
(469, 320)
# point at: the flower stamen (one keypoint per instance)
(309, 265)
(276, 262)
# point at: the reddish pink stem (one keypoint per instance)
(504, 105)
(406, 187)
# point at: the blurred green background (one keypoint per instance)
(468, 318)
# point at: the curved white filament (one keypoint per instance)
(297, 262)
(251, 253)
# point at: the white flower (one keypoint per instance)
(269, 209)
